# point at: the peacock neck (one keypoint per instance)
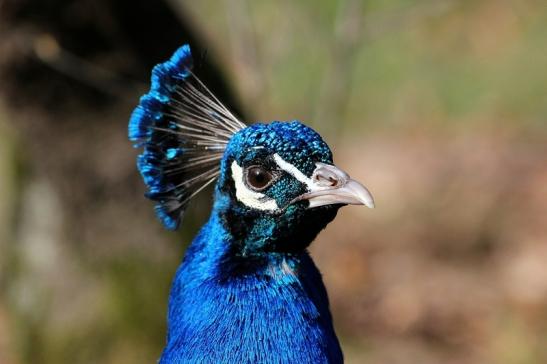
(216, 254)
(268, 303)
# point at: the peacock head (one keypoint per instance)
(277, 186)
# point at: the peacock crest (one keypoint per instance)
(183, 130)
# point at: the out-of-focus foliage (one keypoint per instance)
(437, 106)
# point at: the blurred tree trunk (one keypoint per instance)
(71, 72)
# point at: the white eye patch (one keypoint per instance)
(260, 201)
(248, 197)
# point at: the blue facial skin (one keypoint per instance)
(247, 290)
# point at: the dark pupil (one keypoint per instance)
(258, 177)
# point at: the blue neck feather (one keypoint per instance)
(230, 307)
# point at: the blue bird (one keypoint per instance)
(247, 290)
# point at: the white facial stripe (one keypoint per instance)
(248, 197)
(295, 172)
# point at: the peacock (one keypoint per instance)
(247, 290)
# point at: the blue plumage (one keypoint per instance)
(262, 309)
(247, 290)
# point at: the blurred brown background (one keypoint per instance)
(438, 106)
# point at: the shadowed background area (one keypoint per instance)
(437, 106)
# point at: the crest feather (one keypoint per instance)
(184, 130)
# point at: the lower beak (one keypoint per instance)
(330, 185)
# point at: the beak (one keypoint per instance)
(330, 185)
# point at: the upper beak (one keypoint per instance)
(330, 185)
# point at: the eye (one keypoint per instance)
(258, 178)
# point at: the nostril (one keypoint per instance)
(324, 178)
(329, 176)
